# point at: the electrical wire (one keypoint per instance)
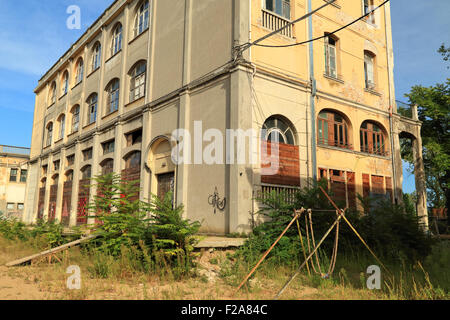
(324, 36)
(248, 45)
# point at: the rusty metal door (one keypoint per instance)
(67, 203)
(83, 201)
(52, 203)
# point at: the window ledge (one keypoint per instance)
(138, 36)
(338, 79)
(92, 72)
(372, 92)
(364, 154)
(334, 4)
(112, 57)
(89, 125)
(77, 84)
(109, 114)
(134, 101)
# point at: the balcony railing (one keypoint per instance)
(337, 144)
(287, 192)
(14, 150)
(273, 21)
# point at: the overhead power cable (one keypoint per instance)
(246, 46)
(321, 37)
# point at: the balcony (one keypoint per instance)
(273, 21)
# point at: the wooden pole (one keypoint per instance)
(297, 215)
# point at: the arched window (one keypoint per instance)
(92, 109)
(137, 84)
(369, 69)
(373, 139)
(277, 130)
(96, 56)
(142, 18)
(113, 93)
(65, 83)
(49, 134)
(52, 93)
(62, 126)
(86, 172)
(107, 166)
(133, 160)
(116, 44)
(75, 118)
(333, 130)
(79, 72)
(69, 176)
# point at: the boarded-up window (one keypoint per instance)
(287, 162)
(351, 189)
(389, 189)
(132, 171)
(83, 201)
(377, 185)
(366, 185)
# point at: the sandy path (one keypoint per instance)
(16, 288)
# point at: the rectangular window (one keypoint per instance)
(23, 175)
(280, 7)
(134, 138)
(87, 154)
(369, 71)
(20, 206)
(13, 175)
(70, 160)
(56, 165)
(330, 57)
(108, 147)
(44, 169)
(10, 206)
(368, 7)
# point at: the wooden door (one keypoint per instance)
(166, 183)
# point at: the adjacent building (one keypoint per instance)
(13, 179)
(144, 69)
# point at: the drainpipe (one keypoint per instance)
(313, 95)
(391, 107)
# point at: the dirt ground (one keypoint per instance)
(49, 282)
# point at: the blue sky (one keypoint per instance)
(32, 42)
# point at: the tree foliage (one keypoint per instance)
(434, 112)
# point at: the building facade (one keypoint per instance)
(13, 179)
(144, 69)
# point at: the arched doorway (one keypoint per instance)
(162, 168)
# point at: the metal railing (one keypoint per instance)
(287, 192)
(273, 21)
(15, 150)
(404, 109)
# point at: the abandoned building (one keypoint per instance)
(147, 68)
(13, 179)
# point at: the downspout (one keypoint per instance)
(391, 107)
(313, 95)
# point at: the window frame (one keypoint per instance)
(96, 56)
(92, 108)
(142, 19)
(13, 177)
(75, 118)
(138, 81)
(369, 62)
(23, 175)
(373, 141)
(284, 10)
(329, 50)
(79, 73)
(49, 138)
(65, 83)
(331, 132)
(117, 38)
(113, 96)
